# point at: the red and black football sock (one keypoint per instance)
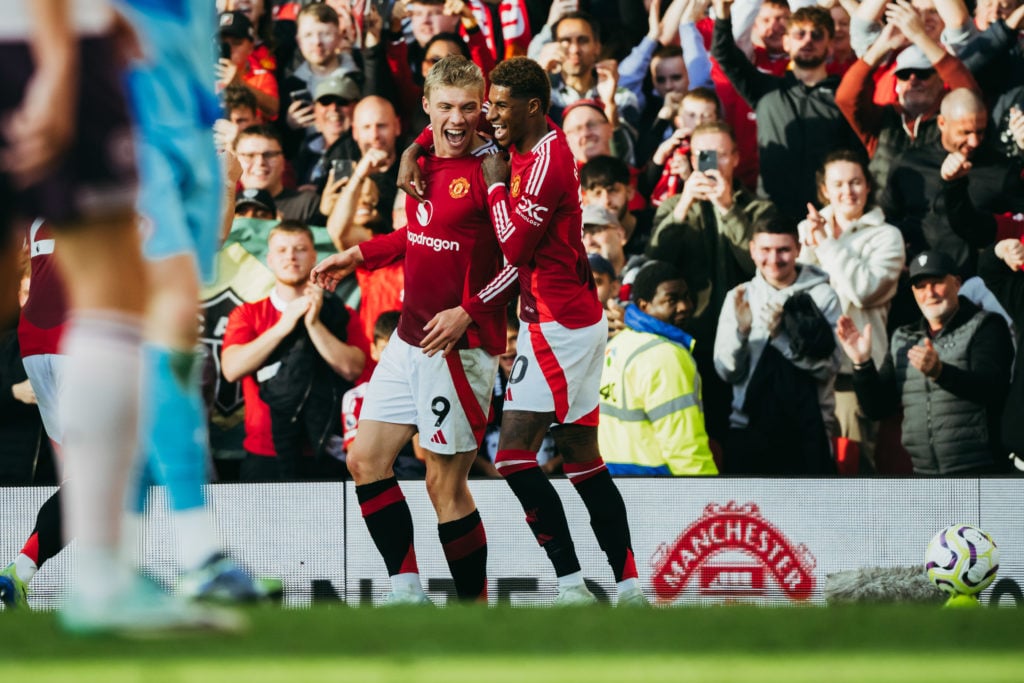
(47, 537)
(543, 507)
(389, 522)
(607, 514)
(465, 548)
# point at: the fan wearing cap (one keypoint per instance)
(949, 371)
(254, 203)
(334, 101)
(924, 71)
(237, 34)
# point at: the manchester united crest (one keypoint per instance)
(515, 186)
(459, 188)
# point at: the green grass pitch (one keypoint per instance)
(595, 645)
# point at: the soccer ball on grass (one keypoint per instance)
(962, 560)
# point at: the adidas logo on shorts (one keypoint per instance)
(438, 438)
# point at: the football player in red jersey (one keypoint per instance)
(436, 374)
(556, 376)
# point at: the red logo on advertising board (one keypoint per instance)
(732, 529)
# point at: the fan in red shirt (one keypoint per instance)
(556, 375)
(435, 375)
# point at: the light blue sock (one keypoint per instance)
(174, 432)
(138, 491)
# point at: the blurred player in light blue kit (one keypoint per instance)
(171, 95)
(66, 155)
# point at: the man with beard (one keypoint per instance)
(798, 122)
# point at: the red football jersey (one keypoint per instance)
(42, 318)
(245, 324)
(539, 223)
(451, 255)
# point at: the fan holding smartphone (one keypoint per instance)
(706, 233)
(714, 156)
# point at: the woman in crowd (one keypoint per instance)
(863, 255)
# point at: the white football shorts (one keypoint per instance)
(558, 369)
(46, 375)
(447, 399)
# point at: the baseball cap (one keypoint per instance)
(931, 264)
(592, 103)
(599, 264)
(912, 58)
(594, 214)
(337, 86)
(235, 25)
(259, 198)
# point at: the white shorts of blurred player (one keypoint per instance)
(46, 375)
(447, 399)
(558, 369)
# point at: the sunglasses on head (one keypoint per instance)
(921, 74)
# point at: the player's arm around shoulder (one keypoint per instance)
(523, 211)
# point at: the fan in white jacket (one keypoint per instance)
(863, 256)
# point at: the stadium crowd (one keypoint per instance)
(804, 222)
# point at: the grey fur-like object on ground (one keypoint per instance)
(882, 585)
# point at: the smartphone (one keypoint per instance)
(302, 95)
(343, 168)
(707, 160)
(225, 50)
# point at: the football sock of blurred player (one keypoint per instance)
(44, 542)
(175, 442)
(389, 522)
(607, 516)
(100, 440)
(543, 507)
(465, 548)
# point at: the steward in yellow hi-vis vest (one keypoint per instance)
(652, 417)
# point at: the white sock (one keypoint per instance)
(197, 541)
(24, 567)
(100, 575)
(570, 580)
(99, 410)
(406, 583)
(628, 584)
(131, 539)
